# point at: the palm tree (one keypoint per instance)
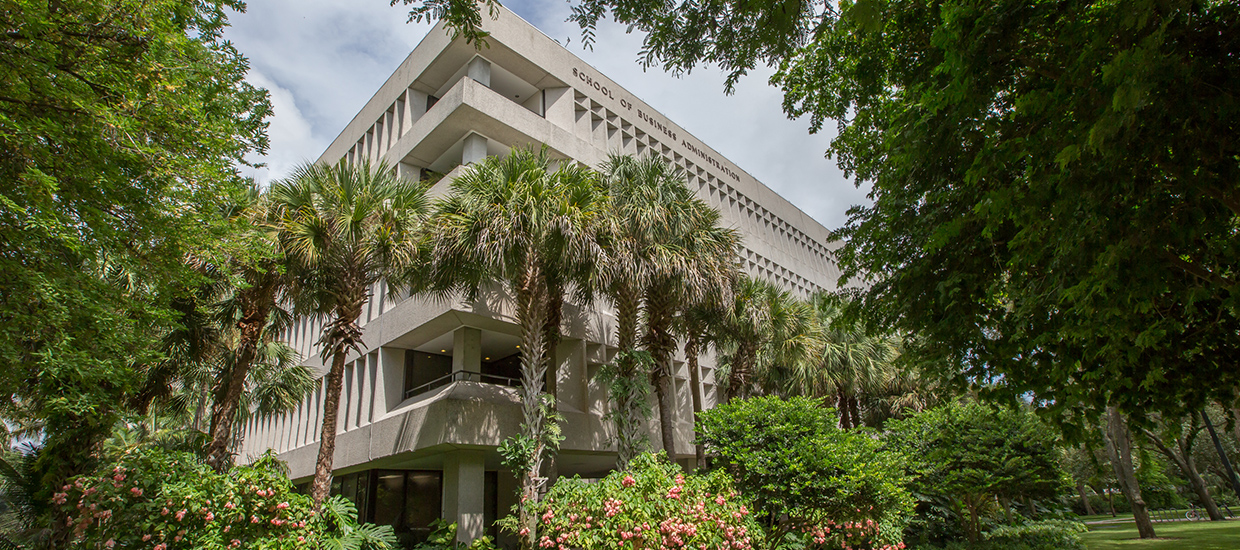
(251, 312)
(674, 254)
(853, 364)
(343, 229)
(764, 332)
(516, 221)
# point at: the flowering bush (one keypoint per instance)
(652, 505)
(163, 500)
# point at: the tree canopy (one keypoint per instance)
(1055, 190)
(121, 125)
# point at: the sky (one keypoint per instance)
(322, 60)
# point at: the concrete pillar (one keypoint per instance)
(389, 382)
(467, 350)
(475, 149)
(560, 107)
(479, 69)
(464, 485)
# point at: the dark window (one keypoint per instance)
(408, 501)
(356, 488)
(423, 368)
(503, 370)
(490, 504)
(431, 101)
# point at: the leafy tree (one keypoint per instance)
(975, 453)
(806, 477)
(515, 221)
(343, 228)
(1055, 187)
(121, 125)
(251, 310)
(668, 252)
(1176, 440)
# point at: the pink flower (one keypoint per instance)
(161, 546)
(146, 538)
(229, 505)
(110, 543)
(209, 517)
(136, 492)
(680, 479)
(282, 506)
(628, 481)
(253, 519)
(301, 539)
(180, 515)
(524, 531)
(163, 512)
(118, 477)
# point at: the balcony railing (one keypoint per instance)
(466, 376)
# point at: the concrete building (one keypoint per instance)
(424, 408)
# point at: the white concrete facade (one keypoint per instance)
(450, 104)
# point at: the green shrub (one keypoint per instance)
(1038, 535)
(812, 484)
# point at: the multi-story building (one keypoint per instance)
(426, 405)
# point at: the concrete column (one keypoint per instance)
(467, 350)
(390, 381)
(464, 485)
(415, 107)
(475, 149)
(560, 108)
(479, 69)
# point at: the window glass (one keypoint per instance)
(389, 508)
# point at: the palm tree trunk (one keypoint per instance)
(327, 439)
(342, 335)
(695, 387)
(1119, 449)
(531, 314)
(742, 366)
(661, 343)
(841, 403)
(551, 346)
(228, 394)
(626, 393)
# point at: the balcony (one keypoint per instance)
(466, 376)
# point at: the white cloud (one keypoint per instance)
(292, 140)
(328, 57)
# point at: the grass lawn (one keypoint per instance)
(1182, 535)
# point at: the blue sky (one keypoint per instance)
(323, 59)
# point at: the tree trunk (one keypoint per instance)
(629, 390)
(1222, 454)
(841, 404)
(551, 347)
(1119, 449)
(695, 387)
(660, 342)
(228, 394)
(531, 314)
(854, 410)
(322, 485)
(1182, 456)
(973, 532)
(1080, 489)
(742, 365)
